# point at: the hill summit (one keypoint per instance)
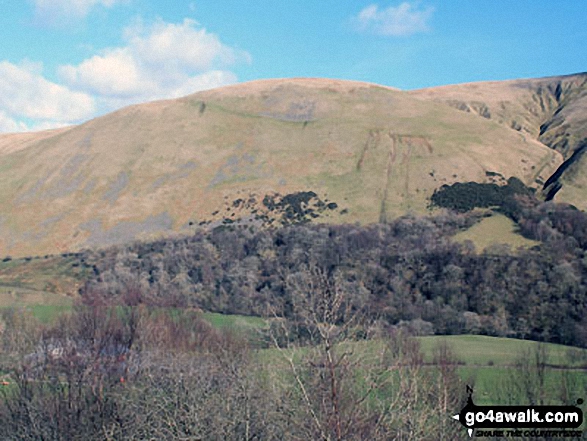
(275, 152)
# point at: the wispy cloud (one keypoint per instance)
(26, 95)
(64, 11)
(163, 60)
(8, 124)
(405, 19)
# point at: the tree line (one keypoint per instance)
(407, 273)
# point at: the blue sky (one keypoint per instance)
(66, 61)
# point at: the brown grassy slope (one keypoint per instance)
(153, 168)
(12, 142)
(552, 110)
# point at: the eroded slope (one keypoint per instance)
(551, 110)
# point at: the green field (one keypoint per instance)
(490, 363)
(487, 362)
(493, 383)
(44, 306)
(57, 305)
(480, 350)
(234, 321)
(45, 286)
(494, 230)
(470, 350)
(41, 282)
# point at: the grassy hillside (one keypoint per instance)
(496, 229)
(50, 273)
(213, 157)
(551, 110)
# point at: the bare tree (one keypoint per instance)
(527, 379)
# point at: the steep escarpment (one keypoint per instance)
(565, 129)
(551, 110)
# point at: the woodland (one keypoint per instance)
(406, 273)
(338, 358)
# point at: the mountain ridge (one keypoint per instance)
(168, 166)
(552, 110)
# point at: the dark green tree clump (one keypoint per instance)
(465, 196)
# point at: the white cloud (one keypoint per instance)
(182, 46)
(159, 61)
(50, 11)
(164, 60)
(26, 94)
(8, 124)
(402, 20)
(113, 74)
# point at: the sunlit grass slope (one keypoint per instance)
(168, 166)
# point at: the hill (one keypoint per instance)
(269, 152)
(551, 110)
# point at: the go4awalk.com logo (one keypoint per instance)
(517, 421)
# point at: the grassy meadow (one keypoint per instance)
(493, 230)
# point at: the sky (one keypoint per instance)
(63, 62)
